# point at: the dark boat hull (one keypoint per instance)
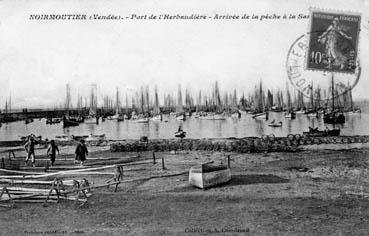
(334, 118)
(324, 133)
(69, 123)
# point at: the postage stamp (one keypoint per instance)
(333, 41)
(317, 84)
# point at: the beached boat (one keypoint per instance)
(209, 175)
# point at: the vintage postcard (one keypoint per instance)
(184, 117)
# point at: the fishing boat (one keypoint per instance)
(275, 124)
(120, 118)
(28, 120)
(79, 137)
(260, 112)
(53, 121)
(91, 120)
(290, 114)
(334, 116)
(181, 117)
(300, 111)
(142, 120)
(209, 175)
(213, 116)
(260, 116)
(157, 118)
(70, 122)
(95, 137)
(311, 113)
(113, 117)
(117, 110)
(180, 134)
(314, 132)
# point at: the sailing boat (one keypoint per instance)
(180, 115)
(157, 115)
(300, 103)
(259, 97)
(141, 117)
(290, 113)
(353, 109)
(116, 115)
(312, 110)
(92, 112)
(334, 117)
(67, 120)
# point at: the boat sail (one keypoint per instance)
(157, 116)
(289, 113)
(116, 115)
(260, 100)
(180, 115)
(334, 116)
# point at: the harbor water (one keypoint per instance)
(246, 126)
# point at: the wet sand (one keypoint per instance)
(303, 193)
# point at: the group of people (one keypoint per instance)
(81, 151)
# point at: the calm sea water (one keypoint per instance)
(356, 124)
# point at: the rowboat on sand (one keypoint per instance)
(209, 175)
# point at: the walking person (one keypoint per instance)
(30, 149)
(51, 151)
(81, 151)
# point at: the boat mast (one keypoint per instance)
(332, 92)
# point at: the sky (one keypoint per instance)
(39, 57)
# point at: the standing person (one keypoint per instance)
(81, 151)
(51, 151)
(30, 149)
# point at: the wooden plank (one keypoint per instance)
(43, 175)
(33, 190)
(21, 172)
(126, 181)
(15, 181)
(34, 201)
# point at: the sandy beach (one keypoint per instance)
(304, 193)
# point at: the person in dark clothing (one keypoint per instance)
(51, 151)
(81, 151)
(30, 149)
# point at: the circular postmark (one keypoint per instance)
(318, 84)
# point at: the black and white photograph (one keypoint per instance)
(184, 117)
